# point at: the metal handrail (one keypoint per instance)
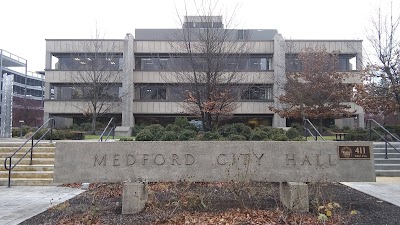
(384, 137)
(307, 121)
(9, 158)
(109, 132)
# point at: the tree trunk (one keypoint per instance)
(94, 118)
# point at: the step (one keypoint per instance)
(382, 145)
(387, 167)
(35, 161)
(25, 149)
(387, 173)
(387, 161)
(390, 155)
(30, 168)
(34, 155)
(382, 150)
(28, 144)
(27, 182)
(27, 174)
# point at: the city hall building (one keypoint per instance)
(141, 61)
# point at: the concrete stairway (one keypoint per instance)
(38, 174)
(387, 167)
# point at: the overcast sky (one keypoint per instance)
(25, 24)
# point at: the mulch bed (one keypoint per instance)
(220, 203)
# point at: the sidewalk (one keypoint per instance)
(20, 203)
(385, 188)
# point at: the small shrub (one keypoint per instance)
(181, 122)
(299, 127)
(235, 129)
(74, 127)
(56, 135)
(292, 133)
(173, 127)
(186, 135)
(85, 126)
(209, 136)
(258, 135)
(169, 136)
(156, 130)
(137, 128)
(126, 139)
(145, 135)
(279, 137)
(236, 137)
(335, 128)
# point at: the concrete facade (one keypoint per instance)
(139, 49)
(210, 161)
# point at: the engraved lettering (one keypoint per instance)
(116, 158)
(103, 160)
(318, 162)
(189, 159)
(290, 159)
(246, 158)
(218, 159)
(306, 159)
(160, 162)
(130, 156)
(175, 159)
(145, 158)
(259, 158)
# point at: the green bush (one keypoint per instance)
(169, 136)
(137, 128)
(126, 139)
(85, 126)
(236, 137)
(156, 130)
(186, 135)
(258, 135)
(292, 133)
(209, 136)
(181, 122)
(145, 135)
(74, 127)
(173, 127)
(360, 134)
(299, 127)
(235, 129)
(56, 135)
(280, 137)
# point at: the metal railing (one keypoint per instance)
(384, 136)
(112, 130)
(307, 131)
(8, 159)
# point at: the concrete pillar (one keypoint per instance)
(279, 77)
(294, 196)
(134, 197)
(360, 118)
(127, 82)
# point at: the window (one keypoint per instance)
(153, 92)
(347, 63)
(257, 93)
(242, 34)
(88, 61)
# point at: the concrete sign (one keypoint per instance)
(210, 161)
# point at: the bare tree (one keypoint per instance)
(208, 59)
(314, 88)
(96, 72)
(381, 91)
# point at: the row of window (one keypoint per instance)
(29, 81)
(30, 92)
(344, 63)
(179, 93)
(203, 64)
(87, 61)
(105, 92)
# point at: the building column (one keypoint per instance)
(127, 82)
(279, 77)
(361, 122)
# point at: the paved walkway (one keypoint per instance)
(20, 203)
(385, 188)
